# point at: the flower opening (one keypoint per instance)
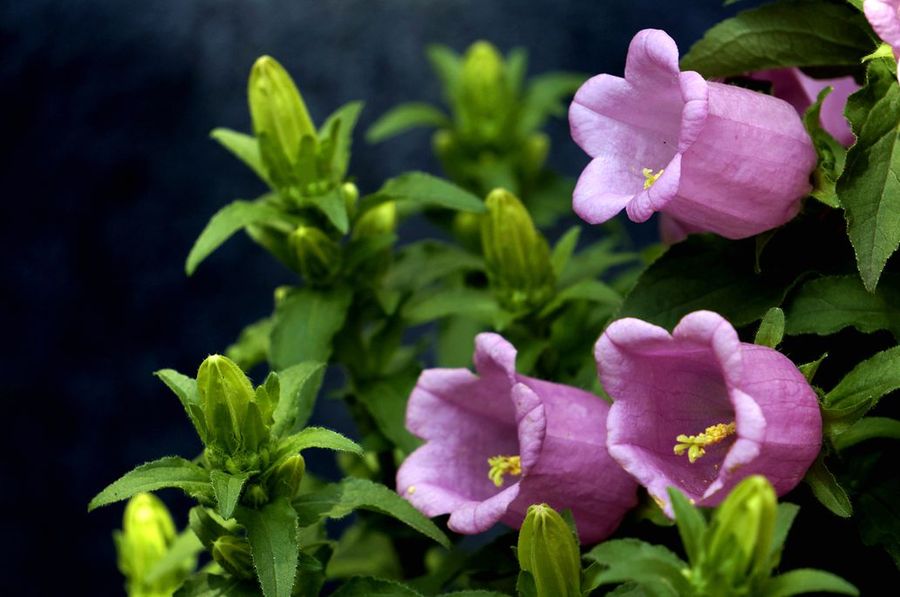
(503, 465)
(695, 445)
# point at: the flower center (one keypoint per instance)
(650, 177)
(503, 465)
(695, 445)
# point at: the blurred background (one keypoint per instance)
(108, 176)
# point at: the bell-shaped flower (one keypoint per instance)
(884, 17)
(801, 91)
(716, 157)
(498, 442)
(699, 410)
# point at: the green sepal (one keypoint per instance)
(827, 489)
(771, 328)
(170, 471)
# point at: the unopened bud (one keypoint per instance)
(350, 194)
(286, 479)
(537, 146)
(233, 554)
(484, 92)
(318, 256)
(280, 119)
(467, 229)
(548, 550)
(377, 221)
(256, 496)
(516, 254)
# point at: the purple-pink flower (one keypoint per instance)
(498, 442)
(801, 91)
(717, 158)
(699, 410)
(884, 17)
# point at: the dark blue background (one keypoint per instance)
(108, 175)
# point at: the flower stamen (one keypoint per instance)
(650, 177)
(503, 465)
(695, 445)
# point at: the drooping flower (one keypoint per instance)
(498, 442)
(718, 158)
(801, 91)
(699, 410)
(884, 17)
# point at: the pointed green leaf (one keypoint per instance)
(227, 488)
(861, 389)
(272, 533)
(784, 519)
(419, 264)
(186, 390)
(299, 386)
(546, 97)
(865, 429)
(771, 328)
(252, 346)
(367, 586)
(170, 471)
(691, 525)
(244, 147)
(340, 499)
(228, 220)
(385, 400)
(810, 369)
(447, 65)
(401, 118)
(317, 437)
(345, 119)
(869, 188)
(829, 304)
(827, 490)
(783, 34)
(564, 249)
(477, 304)
(805, 580)
(333, 206)
(305, 323)
(426, 190)
(643, 563)
(594, 291)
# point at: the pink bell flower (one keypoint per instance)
(700, 410)
(498, 442)
(717, 158)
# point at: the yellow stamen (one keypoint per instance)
(503, 465)
(695, 445)
(650, 177)
(411, 489)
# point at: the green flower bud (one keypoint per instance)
(318, 256)
(280, 121)
(147, 534)
(741, 535)
(286, 480)
(444, 144)
(233, 554)
(534, 155)
(548, 551)
(484, 93)
(350, 194)
(467, 229)
(378, 220)
(237, 417)
(256, 495)
(516, 254)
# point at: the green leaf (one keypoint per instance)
(783, 34)
(810, 369)
(366, 586)
(185, 548)
(170, 471)
(806, 580)
(333, 207)
(869, 188)
(385, 400)
(477, 304)
(340, 499)
(704, 272)
(272, 533)
(186, 389)
(317, 437)
(829, 304)
(546, 97)
(784, 519)
(446, 64)
(299, 386)
(404, 117)
(827, 490)
(228, 220)
(865, 429)
(633, 560)
(861, 389)
(831, 154)
(245, 148)
(691, 525)
(364, 551)
(252, 346)
(427, 190)
(593, 291)
(227, 488)
(345, 119)
(215, 585)
(419, 264)
(564, 249)
(305, 323)
(771, 328)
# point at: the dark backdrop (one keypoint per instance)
(107, 176)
